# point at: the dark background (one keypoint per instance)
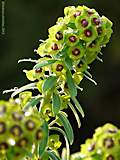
(27, 21)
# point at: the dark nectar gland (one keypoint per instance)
(38, 70)
(96, 21)
(77, 13)
(99, 30)
(72, 39)
(59, 67)
(59, 35)
(88, 33)
(75, 51)
(54, 47)
(84, 23)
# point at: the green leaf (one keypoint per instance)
(71, 84)
(78, 106)
(45, 156)
(26, 87)
(52, 155)
(32, 102)
(56, 103)
(68, 63)
(67, 126)
(75, 114)
(44, 63)
(49, 83)
(44, 141)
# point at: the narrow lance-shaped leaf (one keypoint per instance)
(56, 103)
(64, 154)
(26, 87)
(52, 155)
(68, 63)
(32, 102)
(71, 84)
(45, 156)
(67, 126)
(75, 114)
(49, 83)
(44, 63)
(78, 106)
(44, 141)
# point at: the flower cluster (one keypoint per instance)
(105, 145)
(20, 132)
(73, 43)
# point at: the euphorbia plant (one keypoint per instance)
(30, 124)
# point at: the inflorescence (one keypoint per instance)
(26, 122)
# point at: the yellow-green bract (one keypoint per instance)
(105, 145)
(20, 132)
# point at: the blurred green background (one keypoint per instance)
(28, 21)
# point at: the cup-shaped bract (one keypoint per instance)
(105, 145)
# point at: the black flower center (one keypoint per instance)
(90, 12)
(39, 134)
(54, 46)
(75, 51)
(38, 70)
(59, 35)
(99, 30)
(96, 21)
(112, 131)
(66, 85)
(72, 39)
(77, 13)
(59, 67)
(80, 64)
(30, 125)
(88, 33)
(17, 116)
(93, 44)
(84, 23)
(91, 147)
(108, 143)
(16, 130)
(48, 111)
(2, 127)
(3, 146)
(110, 157)
(2, 109)
(22, 142)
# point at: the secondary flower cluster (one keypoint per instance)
(20, 132)
(105, 145)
